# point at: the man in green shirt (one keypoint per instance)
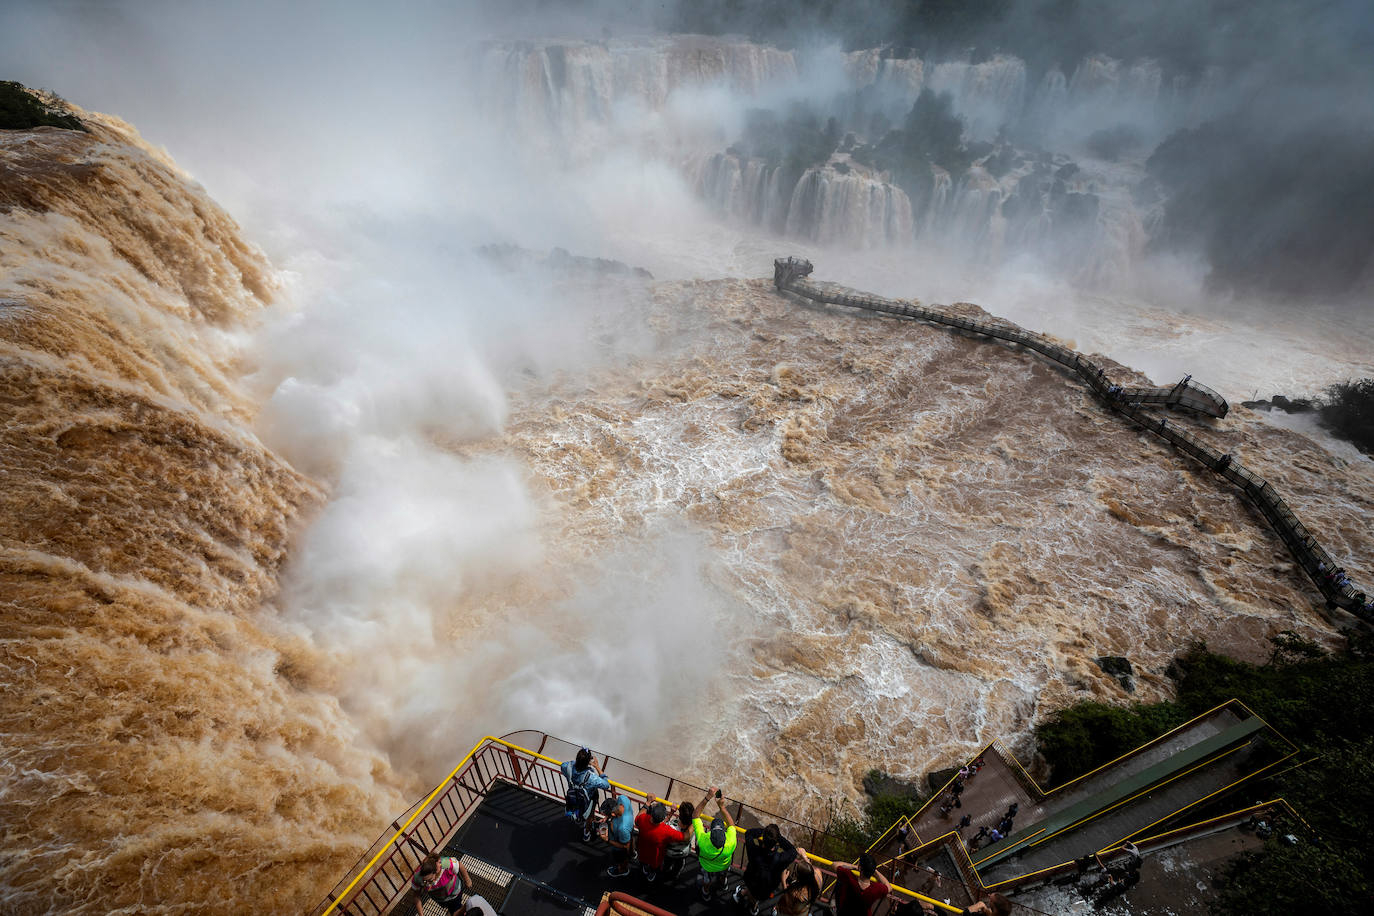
(715, 845)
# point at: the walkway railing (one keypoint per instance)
(790, 276)
(381, 877)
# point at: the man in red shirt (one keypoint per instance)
(855, 896)
(654, 834)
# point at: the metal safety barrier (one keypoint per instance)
(381, 877)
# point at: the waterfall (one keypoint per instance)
(987, 95)
(573, 101)
(833, 208)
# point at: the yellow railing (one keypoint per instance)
(399, 836)
(1039, 795)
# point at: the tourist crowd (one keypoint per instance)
(662, 841)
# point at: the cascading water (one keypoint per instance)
(164, 732)
(848, 209)
(886, 544)
(575, 99)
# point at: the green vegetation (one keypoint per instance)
(888, 802)
(797, 141)
(1348, 412)
(22, 109)
(1324, 703)
(930, 135)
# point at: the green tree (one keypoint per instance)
(22, 109)
(1323, 702)
(1348, 411)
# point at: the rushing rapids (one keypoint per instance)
(163, 735)
(865, 544)
(934, 538)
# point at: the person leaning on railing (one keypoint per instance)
(801, 888)
(655, 833)
(584, 781)
(769, 853)
(677, 852)
(618, 830)
(855, 896)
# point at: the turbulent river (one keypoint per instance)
(740, 538)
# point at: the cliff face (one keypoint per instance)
(163, 735)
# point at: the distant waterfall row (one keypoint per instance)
(681, 99)
(822, 205)
(1044, 206)
(575, 89)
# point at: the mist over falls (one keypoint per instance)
(1091, 169)
(320, 465)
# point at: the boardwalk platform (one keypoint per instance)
(524, 857)
(1155, 788)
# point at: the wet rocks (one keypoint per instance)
(1120, 668)
(878, 784)
(938, 778)
(1279, 402)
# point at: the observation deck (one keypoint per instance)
(501, 812)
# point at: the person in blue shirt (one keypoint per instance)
(619, 832)
(584, 781)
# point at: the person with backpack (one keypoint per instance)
(715, 846)
(584, 781)
(676, 853)
(768, 855)
(442, 879)
(655, 833)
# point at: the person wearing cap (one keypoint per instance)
(655, 833)
(769, 853)
(618, 831)
(715, 846)
(855, 896)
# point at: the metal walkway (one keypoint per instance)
(1162, 785)
(790, 276)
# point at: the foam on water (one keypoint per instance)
(595, 507)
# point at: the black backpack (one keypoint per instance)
(578, 800)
